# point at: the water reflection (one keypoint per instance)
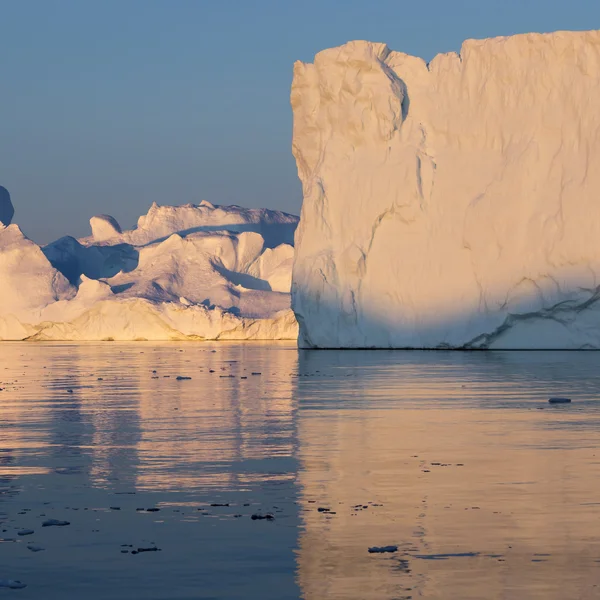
(120, 415)
(179, 427)
(455, 458)
(448, 457)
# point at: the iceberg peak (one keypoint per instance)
(104, 227)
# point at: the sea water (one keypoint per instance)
(160, 455)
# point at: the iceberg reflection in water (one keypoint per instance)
(456, 459)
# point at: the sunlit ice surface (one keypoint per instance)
(456, 459)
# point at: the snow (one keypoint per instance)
(186, 272)
(452, 204)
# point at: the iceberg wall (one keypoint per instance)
(454, 204)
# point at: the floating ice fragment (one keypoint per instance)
(382, 549)
(55, 523)
(13, 584)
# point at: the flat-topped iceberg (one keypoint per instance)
(186, 272)
(454, 204)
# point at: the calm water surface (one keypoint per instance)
(456, 458)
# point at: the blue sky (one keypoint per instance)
(109, 105)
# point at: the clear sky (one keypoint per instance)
(109, 105)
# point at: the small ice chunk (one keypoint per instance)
(55, 523)
(382, 549)
(35, 548)
(13, 584)
(26, 532)
(559, 400)
(259, 517)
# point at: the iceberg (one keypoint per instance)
(192, 272)
(450, 204)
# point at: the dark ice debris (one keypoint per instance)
(152, 509)
(26, 532)
(13, 584)
(268, 517)
(382, 549)
(558, 400)
(219, 504)
(55, 523)
(182, 378)
(446, 556)
(151, 549)
(67, 470)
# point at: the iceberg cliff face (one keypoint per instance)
(454, 204)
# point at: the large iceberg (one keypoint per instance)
(450, 204)
(186, 272)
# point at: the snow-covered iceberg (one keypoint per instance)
(185, 272)
(450, 204)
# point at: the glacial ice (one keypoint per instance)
(450, 204)
(185, 272)
(104, 227)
